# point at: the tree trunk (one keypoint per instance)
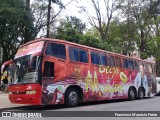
(157, 56)
(142, 45)
(48, 18)
(28, 4)
(26, 32)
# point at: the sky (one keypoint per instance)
(73, 9)
(70, 10)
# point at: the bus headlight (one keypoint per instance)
(10, 93)
(30, 92)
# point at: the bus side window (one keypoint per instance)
(125, 63)
(118, 62)
(150, 68)
(83, 55)
(110, 60)
(56, 50)
(153, 68)
(146, 69)
(136, 67)
(73, 54)
(94, 58)
(102, 59)
(130, 64)
(48, 69)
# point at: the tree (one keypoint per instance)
(70, 29)
(39, 10)
(101, 20)
(93, 41)
(14, 18)
(142, 13)
(45, 14)
(29, 30)
(153, 43)
(49, 12)
(118, 34)
(156, 40)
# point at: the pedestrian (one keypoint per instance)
(5, 82)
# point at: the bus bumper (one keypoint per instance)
(25, 99)
(25, 94)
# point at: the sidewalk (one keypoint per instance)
(2, 92)
(5, 103)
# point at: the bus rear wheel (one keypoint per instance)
(131, 94)
(140, 93)
(72, 97)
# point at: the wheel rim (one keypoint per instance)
(73, 97)
(132, 94)
(141, 95)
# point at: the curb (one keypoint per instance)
(21, 107)
(3, 93)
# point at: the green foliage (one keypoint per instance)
(71, 29)
(16, 26)
(94, 32)
(92, 41)
(69, 34)
(153, 47)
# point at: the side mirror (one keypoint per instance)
(6, 65)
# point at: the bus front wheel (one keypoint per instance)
(131, 94)
(72, 97)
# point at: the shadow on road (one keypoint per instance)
(56, 107)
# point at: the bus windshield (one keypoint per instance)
(25, 70)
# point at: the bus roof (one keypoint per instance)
(83, 46)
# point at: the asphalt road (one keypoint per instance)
(149, 104)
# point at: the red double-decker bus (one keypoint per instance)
(51, 71)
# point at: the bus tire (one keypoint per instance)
(72, 97)
(140, 93)
(131, 93)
